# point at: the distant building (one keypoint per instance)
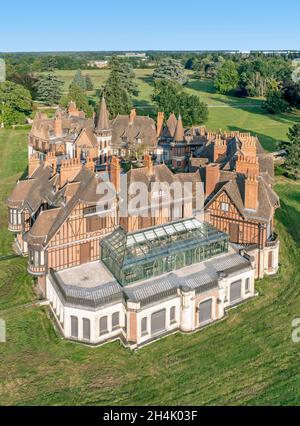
(98, 64)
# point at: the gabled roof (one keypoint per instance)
(133, 130)
(86, 191)
(31, 193)
(267, 198)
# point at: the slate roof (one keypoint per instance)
(141, 127)
(86, 191)
(31, 193)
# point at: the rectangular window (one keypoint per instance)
(42, 258)
(115, 320)
(172, 315)
(36, 258)
(247, 285)
(225, 207)
(103, 326)
(74, 326)
(86, 329)
(144, 329)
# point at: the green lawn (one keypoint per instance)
(248, 358)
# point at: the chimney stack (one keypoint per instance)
(251, 191)
(159, 124)
(72, 109)
(148, 164)
(115, 173)
(34, 163)
(220, 148)
(212, 177)
(132, 116)
(58, 125)
(51, 161)
(90, 164)
(68, 170)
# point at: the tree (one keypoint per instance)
(117, 97)
(170, 69)
(77, 95)
(119, 87)
(48, 89)
(275, 103)
(208, 66)
(165, 95)
(193, 111)
(170, 97)
(15, 103)
(124, 72)
(26, 79)
(291, 93)
(227, 79)
(292, 148)
(79, 80)
(88, 83)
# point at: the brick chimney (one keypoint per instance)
(220, 148)
(69, 169)
(51, 161)
(159, 123)
(246, 164)
(248, 145)
(148, 164)
(251, 192)
(72, 109)
(132, 116)
(34, 163)
(90, 164)
(58, 125)
(212, 177)
(115, 173)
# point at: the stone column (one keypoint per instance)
(187, 309)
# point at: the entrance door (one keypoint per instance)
(236, 291)
(85, 256)
(234, 232)
(205, 311)
(158, 321)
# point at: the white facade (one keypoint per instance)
(134, 322)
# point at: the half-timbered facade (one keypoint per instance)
(137, 274)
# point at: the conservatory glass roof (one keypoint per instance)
(162, 240)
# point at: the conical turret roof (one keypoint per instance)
(103, 120)
(179, 132)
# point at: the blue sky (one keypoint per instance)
(149, 25)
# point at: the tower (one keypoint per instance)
(103, 132)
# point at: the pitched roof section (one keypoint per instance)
(31, 193)
(267, 198)
(179, 132)
(85, 191)
(129, 132)
(103, 117)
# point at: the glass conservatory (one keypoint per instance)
(154, 251)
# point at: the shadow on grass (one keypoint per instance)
(288, 216)
(206, 86)
(269, 144)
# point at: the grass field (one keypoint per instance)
(228, 113)
(248, 358)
